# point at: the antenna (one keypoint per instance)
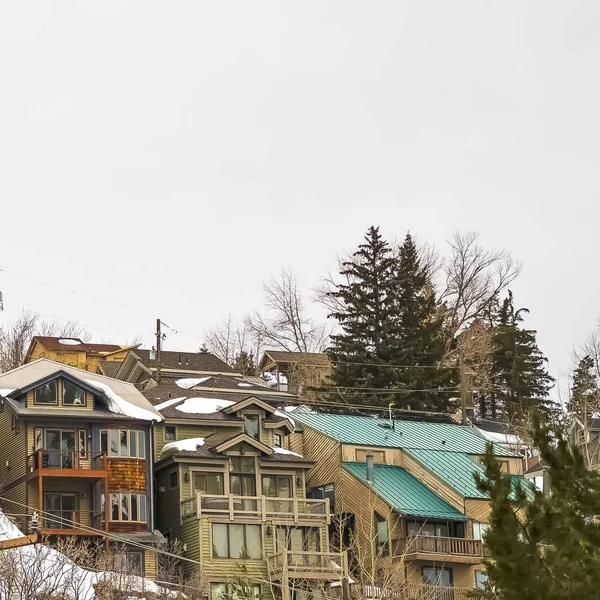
(390, 412)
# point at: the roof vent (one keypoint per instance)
(384, 424)
(443, 442)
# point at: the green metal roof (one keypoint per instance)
(350, 429)
(457, 469)
(404, 492)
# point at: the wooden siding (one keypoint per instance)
(295, 443)
(392, 456)
(126, 474)
(81, 360)
(189, 534)
(150, 564)
(326, 452)
(433, 482)
(168, 502)
(479, 510)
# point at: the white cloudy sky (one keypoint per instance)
(172, 155)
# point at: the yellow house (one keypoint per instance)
(75, 352)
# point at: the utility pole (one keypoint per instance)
(158, 342)
(466, 392)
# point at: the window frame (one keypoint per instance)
(276, 477)
(140, 443)
(53, 382)
(65, 383)
(207, 474)
(436, 568)
(277, 439)
(171, 439)
(174, 486)
(381, 548)
(141, 501)
(125, 557)
(258, 418)
(228, 527)
(227, 592)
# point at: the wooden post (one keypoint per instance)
(345, 580)
(285, 578)
(158, 341)
(41, 499)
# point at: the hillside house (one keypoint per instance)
(296, 372)
(404, 493)
(229, 489)
(75, 352)
(77, 457)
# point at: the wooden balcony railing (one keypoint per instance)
(423, 544)
(331, 566)
(296, 509)
(60, 519)
(65, 461)
(420, 592)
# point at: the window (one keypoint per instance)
(242, 481)
(277, 440)
(170, 433)
(381, 535)
(73, 395)
(46, 394)
(209, 483)
(236, 541)
(228, 591)
(437, 576)
(252, 425)
(378, 455)
(297, 539)
(124, 443)
(82, 443)
(480, 580)
(321, 492)
(277, 486)
(129, 562)
(173, 480)
(427, 528)
(60, 510)
(127, 507)
(479, 530)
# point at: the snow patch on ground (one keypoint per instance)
(203, 406)
(121, 406)
(188, 383)
(168, 403)
(189, 445)
(286, 451)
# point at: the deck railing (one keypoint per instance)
(60, 519)
(264, 507)
(67, 460)
(439, 545)
(315, 565)
(419, 591)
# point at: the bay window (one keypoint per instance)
(123, 443)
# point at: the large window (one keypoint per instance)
(73, 395)
(126, 507)
(480, 580)
(479, 530)
(252, 425)
(46, 394)
(242, 480)
(60, 511)
(123, 443)
(437, 576)
(321, 492)
(277, 486)
(236, 541)
(209, 483)
(381, 535)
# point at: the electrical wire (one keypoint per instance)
(115, 537)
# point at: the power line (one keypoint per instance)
(392, 366)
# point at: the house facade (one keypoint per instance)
(229, 489)
(78, 458)
(404, 496)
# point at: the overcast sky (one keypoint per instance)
(170, 156)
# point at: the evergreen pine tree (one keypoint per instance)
(364, 345)
(584, 391)
(520, 374)
(543, 546)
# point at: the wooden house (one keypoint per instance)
(404, 492)
(233, 494)
(77, 457)
(295, 372)
(75, 352)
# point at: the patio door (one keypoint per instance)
(61, 510)
(60, 448)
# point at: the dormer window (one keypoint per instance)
(46, 393)
(252, 425)
(73, 395)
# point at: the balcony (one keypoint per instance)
(56, 463)
(263, 507)
(423, 547)
(430, 592)
(328, 566)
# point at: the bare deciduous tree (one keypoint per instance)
(287, 324)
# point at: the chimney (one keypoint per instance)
(370, 478)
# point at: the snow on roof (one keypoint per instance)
(500, 438)
(203, 406)
(280, 414)
(121, 406)
(189, 445)
(244, 384)
(286, 451)
(6, 392)
(168, 403)
(48, 570)
(190, 382)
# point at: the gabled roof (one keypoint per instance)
(370, 431)
(404, 492)
(121, 398)
(73, 344)
(185, 361)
